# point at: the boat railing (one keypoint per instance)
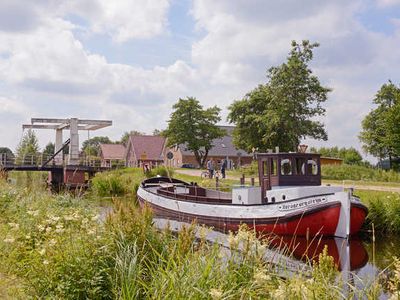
(187, 196)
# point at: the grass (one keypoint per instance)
(384, 211)
(362, 183)
(359, 173)
(59, 247)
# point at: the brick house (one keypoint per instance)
(145, 149)
(223, 148)
(112, 155)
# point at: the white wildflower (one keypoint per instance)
(52, 242)
(48, 229)
(215, 293)
(55, 219)
(95, 218)
(68, 218)
(260, 277)
(41, 228)
(91, 231)
(33, 212)
(9, 240)
(45, 262)
(42, 251)
(14, 225)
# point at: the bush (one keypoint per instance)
(161, 171)
(108, 184)
(249, 170)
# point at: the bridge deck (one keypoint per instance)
(52, 168)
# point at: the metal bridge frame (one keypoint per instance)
(73, 125)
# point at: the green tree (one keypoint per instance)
(49, 149)
(281, 112)
(157, 132)
(5, 150)
(28, 148)
(92, 146)
(194, 126)
(349, 155)
(380, 133)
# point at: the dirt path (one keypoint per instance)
(196, 172)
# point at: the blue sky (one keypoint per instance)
(130, 60)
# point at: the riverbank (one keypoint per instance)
(57, 246)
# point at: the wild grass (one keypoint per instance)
(384, 211)
(59, 247)
(353, 172)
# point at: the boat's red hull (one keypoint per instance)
(321, 220)
(358, 214)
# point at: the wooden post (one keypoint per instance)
(252, 181)
(242, 180)
(217, 182)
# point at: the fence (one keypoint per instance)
(9, 160)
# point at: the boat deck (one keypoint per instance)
(191, 193)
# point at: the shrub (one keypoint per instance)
(161, 171)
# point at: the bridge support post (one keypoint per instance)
(74, 144)
(58, 159)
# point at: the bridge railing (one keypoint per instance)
(9, 160)
(24, 160)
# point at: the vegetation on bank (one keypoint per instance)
(383, 211)
(63, 247)
(354, 172)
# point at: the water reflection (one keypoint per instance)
(293, 253)
(348, 255)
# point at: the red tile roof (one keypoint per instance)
(148, 146)
(112, 151)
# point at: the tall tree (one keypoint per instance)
(92, 146)
(380, 133)
(49, 149)
(194, 126)
(281, 112)
(28, 148)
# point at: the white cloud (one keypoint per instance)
(52, 74)
(388, 3)
(123, 19)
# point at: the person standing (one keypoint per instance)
(223, 167)
(210, 168)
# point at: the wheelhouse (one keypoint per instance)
(288, 169)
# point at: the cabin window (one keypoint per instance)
(300, 168)
(265, 167)
(312, 167)
(286, 166)
(274, 166)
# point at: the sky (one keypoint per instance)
(129, 61)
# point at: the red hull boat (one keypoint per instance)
(290, 200)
